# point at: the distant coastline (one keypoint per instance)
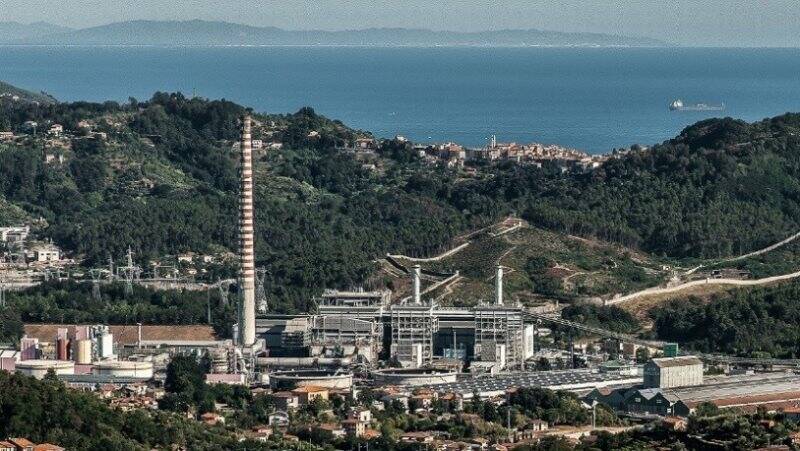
(204, 33)
(355, 46)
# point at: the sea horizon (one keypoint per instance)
(591, 98)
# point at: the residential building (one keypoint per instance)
(365, 143)
(278, 419)
(285, 400)
(14, 234)
(333, 429)
(538, 425)
(261, 433)
(211, 418)
(22, 444)
(308, 394)
(417, 437)
(363, 415)
(46, 254)
(354, 426)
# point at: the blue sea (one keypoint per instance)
(590, 99)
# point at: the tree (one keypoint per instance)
(642, 355)
(11, 326)
(186, 387)
(543, 364)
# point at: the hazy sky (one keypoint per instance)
(687, 22)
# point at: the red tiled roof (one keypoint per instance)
(309, 389)
(47, 447)
(370, 434)
(21, 442)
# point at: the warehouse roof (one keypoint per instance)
(566, 379)
(667, 362)
(757, 386)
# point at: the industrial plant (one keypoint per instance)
(361, 327)
(409, 350)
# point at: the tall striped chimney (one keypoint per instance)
(247, 272)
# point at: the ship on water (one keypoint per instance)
(678, 105)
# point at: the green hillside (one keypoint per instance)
(541, 265)
(160, 176)
(25, 95)
(163, 180)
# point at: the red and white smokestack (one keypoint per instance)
(247, 272)
(498, 286)
(417, 274)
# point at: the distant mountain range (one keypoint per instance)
(198, 32)
(15, 31)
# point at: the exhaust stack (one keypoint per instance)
(417, 274)
(247, 272)
(498, 296)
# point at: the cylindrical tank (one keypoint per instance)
(83, 352)
(120, 368)
(39, 368)
(62, 349)
(105, 344)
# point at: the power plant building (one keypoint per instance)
(358, 326)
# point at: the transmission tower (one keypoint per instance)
(261, 294)
(130, 273)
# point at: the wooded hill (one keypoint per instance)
(165, 182)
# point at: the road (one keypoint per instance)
(732, 282)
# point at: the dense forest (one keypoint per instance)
(165, 182)
(75, 303)
(762, 322)
(722, 187)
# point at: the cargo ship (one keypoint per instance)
(678, 105)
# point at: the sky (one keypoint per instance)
(731, 23)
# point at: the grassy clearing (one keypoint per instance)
(578, 268)
(585, 268)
